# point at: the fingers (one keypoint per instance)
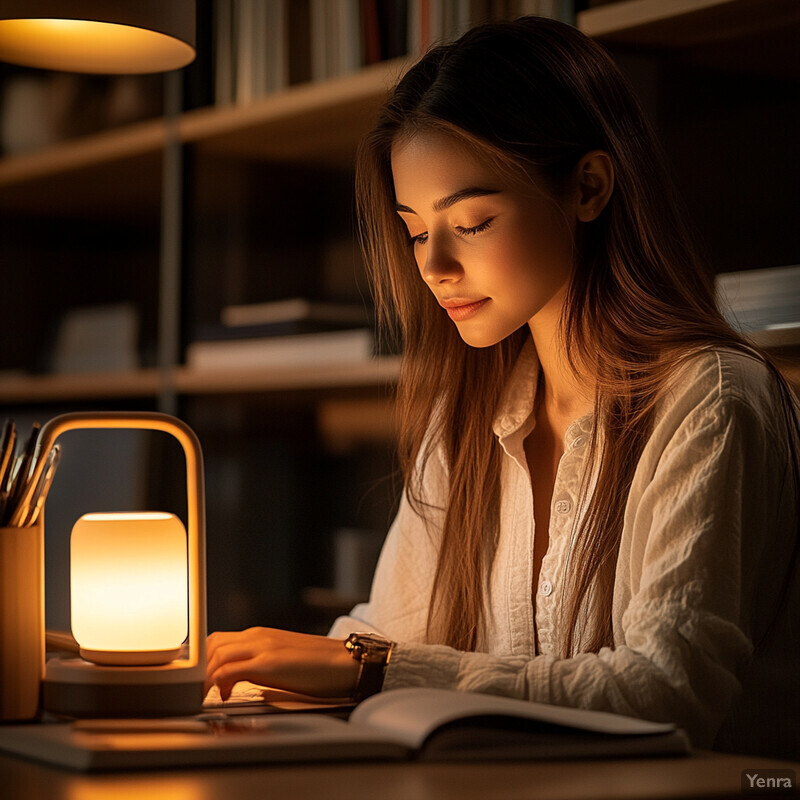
(297, 662)
(223, 645)
(229, 674)
(236, 656)
(220, 638)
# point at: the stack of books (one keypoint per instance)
(764, 304)
(261, 46)
(285, 333)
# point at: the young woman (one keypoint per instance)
(601, 477)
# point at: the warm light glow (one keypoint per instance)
(135, 786)
(127, 516)
(88, 46)
(129, 587)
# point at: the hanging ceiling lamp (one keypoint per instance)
(98, 36)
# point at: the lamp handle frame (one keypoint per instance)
(195, 494)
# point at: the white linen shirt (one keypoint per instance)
(708, 533)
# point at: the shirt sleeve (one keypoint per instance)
(705, 506)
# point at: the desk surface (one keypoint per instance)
(703, 775)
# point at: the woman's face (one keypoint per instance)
(494, 255)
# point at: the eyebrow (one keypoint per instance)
(451, 199)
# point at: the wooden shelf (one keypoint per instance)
(777, 338)
(345, 417)
(346, 422)
(84, 175)
(108, 176)
(378, 372)
(79, 386)
(685, 22)
(286, 126)
(150, 382)
(756, 36)
(119, 170)
(791, 371)
(116, 144)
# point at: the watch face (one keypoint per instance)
(373, 653)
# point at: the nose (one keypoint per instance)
(439, 265)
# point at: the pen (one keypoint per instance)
(34, 505)
(19, 486)
(6, 459)
(7, 452)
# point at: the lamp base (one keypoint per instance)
(130, 658)
(75, 688)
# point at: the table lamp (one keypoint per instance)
(138, 588)
(129, 587)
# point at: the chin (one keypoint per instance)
(481, 339)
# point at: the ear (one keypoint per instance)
(594, 179)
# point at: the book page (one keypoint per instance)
(411, 715)
(246, 695)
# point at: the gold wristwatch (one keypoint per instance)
(372, 653)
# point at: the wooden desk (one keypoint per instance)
(703, 775)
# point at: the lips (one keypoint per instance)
(460, 309)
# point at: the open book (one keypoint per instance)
(433, 724)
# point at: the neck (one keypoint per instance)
(565, 395)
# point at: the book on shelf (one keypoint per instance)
(336, 43)
(101, 338)
(295, 309)
(397, 725)
(292, 332)
(265, 330)
(763, 304)
(262, 46)
(251, 46)
(300, 350)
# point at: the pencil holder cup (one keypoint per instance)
(21, 621)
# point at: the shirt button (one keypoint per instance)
(546, 588)
(563, 506)
(578, 441)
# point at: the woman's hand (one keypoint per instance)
(296, 662)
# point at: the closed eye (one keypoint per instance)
(476, 229)
(420, 238)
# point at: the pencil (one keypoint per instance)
(7, 452)
(35, 504)
(6, 461)
(21, 476)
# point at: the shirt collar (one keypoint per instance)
(516, 402)
(515, 409)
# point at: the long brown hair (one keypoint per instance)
(534, 96)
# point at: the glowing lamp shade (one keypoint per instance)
(97, 36)
(129, 587)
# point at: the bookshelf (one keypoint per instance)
(147, 383)
(678, 23)
(721, 73)
(284, 125)
(754, 36)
